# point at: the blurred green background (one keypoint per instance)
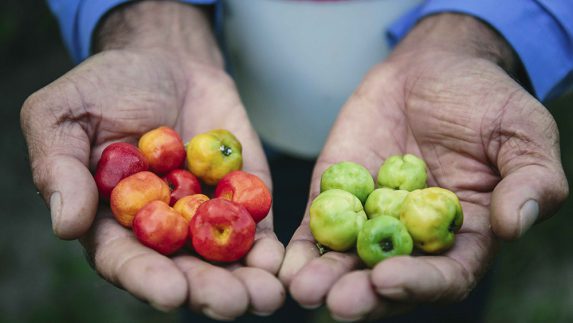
(43, 279)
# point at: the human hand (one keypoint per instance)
(117, 95)
(482, 136)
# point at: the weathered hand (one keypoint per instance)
(482, 136)
(117, 95)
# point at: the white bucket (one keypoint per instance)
(297, 62)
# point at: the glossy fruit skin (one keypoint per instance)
(336, 217)
(348, 176)
(381, 238)
(432, 216)
(118, 161)
(163, 149)
(247, 190)
(214, 154)
(406, 172)
(134, 192)
(160, 227)
(187, 206)
(182, 183)
(222, 231)
(385, 201)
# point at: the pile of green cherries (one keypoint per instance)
(401, 215)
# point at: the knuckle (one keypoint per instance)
(30, 107)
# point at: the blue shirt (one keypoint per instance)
(540, 31)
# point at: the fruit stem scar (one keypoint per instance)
(387, 245)
(452, 226)
(221, 234)
(226, 150)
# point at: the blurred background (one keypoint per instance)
(43, 279)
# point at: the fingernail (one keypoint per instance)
(211, 314)
(55, 208)
(528, 215)
(261, 313)
(392, 292)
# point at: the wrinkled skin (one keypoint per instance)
(481, 135)
(117, 96)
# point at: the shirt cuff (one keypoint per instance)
(89, 14)
(535, 35)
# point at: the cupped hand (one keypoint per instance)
(482, 136)
(118, 95)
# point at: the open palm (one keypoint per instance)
(118, 96)
(481, 135)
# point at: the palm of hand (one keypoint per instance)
(118, 96)
(474, 127)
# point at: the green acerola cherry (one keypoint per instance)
(336, 217)
(385, 201)
(350, 177)
(406, 172)
(381, 238)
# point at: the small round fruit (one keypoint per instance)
(117, 161)
(381, 238)
(134, 192)
(182, 183)
(350, 177)
(385, 201)
(432, 216)
(222, 231)
(214, 154)
(247, 190)
(406, 172)
(336, 217)
(188, 205)
(160, 227)
(163, 149)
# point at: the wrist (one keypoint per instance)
(459, 35)
(181, 31)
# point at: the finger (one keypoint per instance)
(300, 251)
(430, 279)
(533, 184)
(311, 284)
(525, 196)
(267, 253)
(119, 258)
(353, 298)
(302, 247)
(444, 278)
(265, 291)
(59, 147)
(213, 291)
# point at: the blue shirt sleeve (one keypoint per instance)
(79, 18)
(540, 32)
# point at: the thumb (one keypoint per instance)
(59, 148)
(525, 196)
(533, 184)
